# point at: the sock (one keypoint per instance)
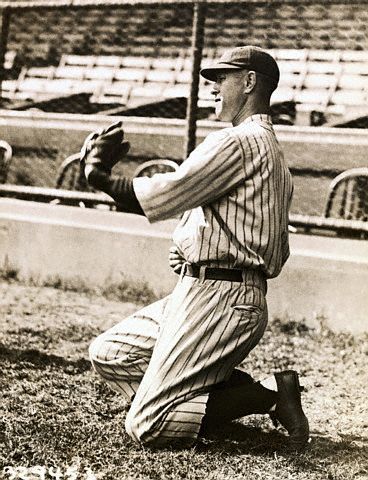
(270, 384)
(236, 398)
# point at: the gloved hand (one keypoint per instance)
(104, 149)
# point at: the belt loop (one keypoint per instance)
(183, 270)
(244, 276)
(202, 273)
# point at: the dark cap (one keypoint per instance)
(248, 57)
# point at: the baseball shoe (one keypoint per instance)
(289, 410)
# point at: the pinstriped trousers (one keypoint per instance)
(166, 357)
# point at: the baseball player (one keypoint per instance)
(177, 361)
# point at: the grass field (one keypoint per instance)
(56, 413)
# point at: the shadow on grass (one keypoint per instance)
(236, 438)
(38, 360)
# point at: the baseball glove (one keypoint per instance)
(105, 148)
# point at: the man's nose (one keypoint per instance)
(215, 89)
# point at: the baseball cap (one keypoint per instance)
(248, 57)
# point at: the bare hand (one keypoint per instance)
(175, 259)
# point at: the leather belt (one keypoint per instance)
(210, 273)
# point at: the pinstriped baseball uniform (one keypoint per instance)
(234, 190)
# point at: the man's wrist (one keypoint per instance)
(96, 169)
(97, 177)
(88, 169)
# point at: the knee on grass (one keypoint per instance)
(142, 428)
(153, 438)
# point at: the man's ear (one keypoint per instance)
(250, 81)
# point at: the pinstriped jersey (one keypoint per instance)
(234, 191)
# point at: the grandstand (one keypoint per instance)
(333, 82)
(161, 30)
(127, 56)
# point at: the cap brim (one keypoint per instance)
(211, 73)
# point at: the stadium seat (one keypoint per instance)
(331, 56)
(187, 63)
(75, 72)
(73, 38)
(355, 68)
(283, 94)
(146, 93)
(136, 62)
(87, 86)
(348, 195)
(131, 75)
(151, 167)
(148, 89)
(8, 88)
(353, 82)
(70, 175)
(292, 66)
(349, 98)
(313, 96)
(323, 67)
(77, 60)
(111, 61)
(162, 76)
(291, 79)
(320, 81)
(61, 87)
(165, 64)
(6, 154)
(40, 72)
(99, 73)
(178, 90)
(32, 85)
(184, 76)
(354, 56)
(116, 92)
(299, 55)
(287, 12)
(234, 22)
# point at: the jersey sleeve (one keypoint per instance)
(211, 170)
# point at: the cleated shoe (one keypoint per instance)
(289, 410)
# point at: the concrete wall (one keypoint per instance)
(44, 240)
(163, 137)
(324, 277)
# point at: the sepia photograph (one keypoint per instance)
(183, 240)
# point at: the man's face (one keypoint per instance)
(229, 94)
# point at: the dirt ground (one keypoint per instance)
(56, 412)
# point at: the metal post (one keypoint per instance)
(5, 21)
(199, 17)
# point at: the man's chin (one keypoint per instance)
(220, 115)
